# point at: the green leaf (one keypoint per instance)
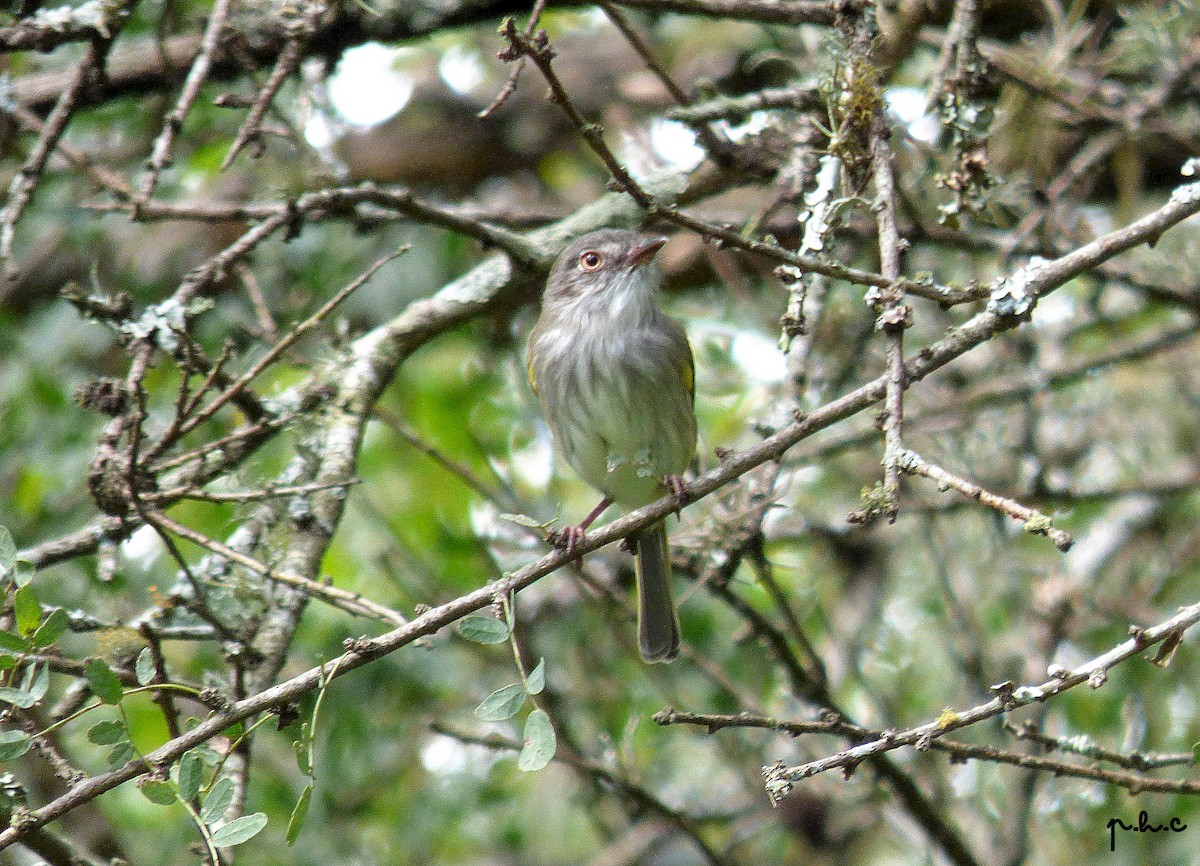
(210, 756)
(103, 681)
(301, 747)
(13, 744)
(37, 682)
(502, 704)
(33, 688)
(536, 681)
(52, 629)
(540, 742)
(17, 697)
(296, 822)
(8, 550)
(189, 775)
(483, 629)
(108, 733)
(10, 641)
(23, 573)
(159, 792)
(523, 520)
(217, 801)
(119, 755)
(239, 830)
(27, 609)
(7, 661)
(144, 668)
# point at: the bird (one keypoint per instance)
(615, 378)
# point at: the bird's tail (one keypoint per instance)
(658, 629)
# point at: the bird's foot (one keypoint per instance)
(570, 537)
(678, 488)
(567, 538)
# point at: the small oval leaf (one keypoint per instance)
(39, 683)
(536, 681)
(103, 681)
(107, 733)
(501, 704)
(27, 610)
(144, 668)
(217, 801)
(52, 629)
(239, 830)
(296, 822)
(522, 520)
(158, 792)
(483, 629)
(208, 755)
(303, 748)
(189, 775)
(8, 550)
(23, 572)
(13, 744)
(119, 755)
(17, 697)
(540, 742)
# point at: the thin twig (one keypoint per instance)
(271, 491)
(300, 31)
(510, 86)
(282, 346)
(351, 602)
(958, 750)
(76, 157)
(160, 154)
(20, 189)
(502, 495)
(894, 315)
(761, 11)
(538, 49)
(1141, 761)
(780, 778)
(1034, 522)
(714, 143)
(958, 51)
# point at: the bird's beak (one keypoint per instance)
(643, 253)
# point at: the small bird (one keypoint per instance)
(615, 378)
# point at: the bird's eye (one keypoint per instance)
(591, 260)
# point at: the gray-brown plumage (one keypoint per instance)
(614, 375)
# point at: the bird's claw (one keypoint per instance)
(567, 538)
(570, 537)
(678, 488)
